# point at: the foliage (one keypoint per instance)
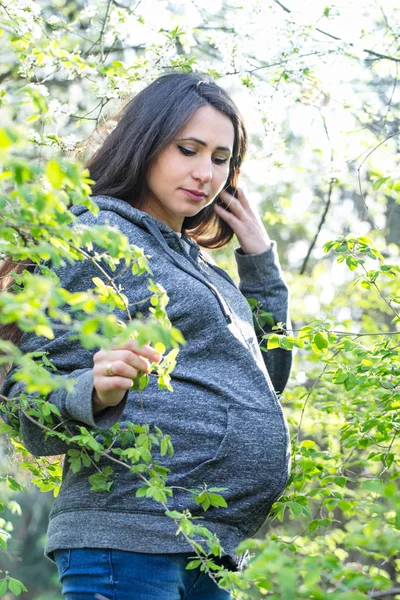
(329, 195)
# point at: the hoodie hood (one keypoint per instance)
(167, 239)
(125, 210)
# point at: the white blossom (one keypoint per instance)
(39, 87)
(57, 107)
(33, 136)
(70, 141)
(53, 20)
(89, 12)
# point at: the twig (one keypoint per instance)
(314, 385)
(354, 333)
(101, 40)
(386, 301)
(285, 8)
(338, 39)
(106, 275)
(391, 592)
(379, 55)
(363, 161)
(389, 106)
(386, 467)
(322, 221)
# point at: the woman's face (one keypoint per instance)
(192, 170)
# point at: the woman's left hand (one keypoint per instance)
(246, 224)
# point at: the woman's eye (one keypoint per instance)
(218, 160)
(186, 151)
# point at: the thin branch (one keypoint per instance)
(353, 333)
(386, 454)
(6, 74)
(130, 11)
(334, 37)
(361, 164)
(285, 8)
(7, 13)
(107, 276)
(386, 301)
(322, 221)
(379, 55)
(312, 388)
(381, 594)
(389, 105)
(338, 39)
(278, 63)
(101, 40)
(328, 202)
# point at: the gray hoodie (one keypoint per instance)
(224, 418)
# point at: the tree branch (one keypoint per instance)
(359, 171)
(322, 221)
(392, 592)
(102, 30)
(334, 37)
(285, 8)
(379, 55)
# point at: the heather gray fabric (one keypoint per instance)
(225, 420)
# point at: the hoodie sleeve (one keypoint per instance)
(73, 362)
(261, 278)
(75, 408)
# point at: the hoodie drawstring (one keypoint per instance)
(157, 235)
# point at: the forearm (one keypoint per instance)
(78, 406)
(261, 278)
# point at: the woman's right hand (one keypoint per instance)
(114, 370)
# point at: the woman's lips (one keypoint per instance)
(199, 196)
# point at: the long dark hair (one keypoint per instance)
(146, 125)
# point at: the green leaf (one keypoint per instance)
(351, 382)
(13, 484)
(76, 464)
(340, 481)
(54, 173)
(16, 586)
(305, 332)
(164, 447)
(5, 138)
(3, 582)
(286, 343)
(206, 503)
(174, 514)
(296, 508)
(320, 342)
(193, 564)
(217, 500)
(273, 342)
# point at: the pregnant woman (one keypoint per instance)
(167, 178)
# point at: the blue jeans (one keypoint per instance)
(105, 574)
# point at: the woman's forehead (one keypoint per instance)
(210, 126)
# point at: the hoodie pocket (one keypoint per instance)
(252, 461)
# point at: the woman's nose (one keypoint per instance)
(203, 171)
